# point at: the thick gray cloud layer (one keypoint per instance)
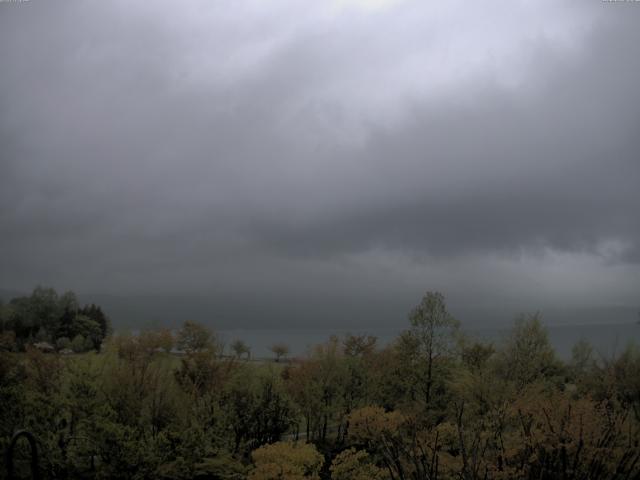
(351, 149)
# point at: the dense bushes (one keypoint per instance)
(47, 317)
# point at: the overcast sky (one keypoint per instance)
(363, 149)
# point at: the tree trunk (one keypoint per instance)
(429, 378)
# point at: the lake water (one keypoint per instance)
(607, 339)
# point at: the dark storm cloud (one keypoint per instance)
(239, 147)
(553, 163)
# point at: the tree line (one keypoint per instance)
(49, 318)
(434, 404)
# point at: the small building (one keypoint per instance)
(44, 347)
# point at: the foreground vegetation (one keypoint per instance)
(434, 404)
